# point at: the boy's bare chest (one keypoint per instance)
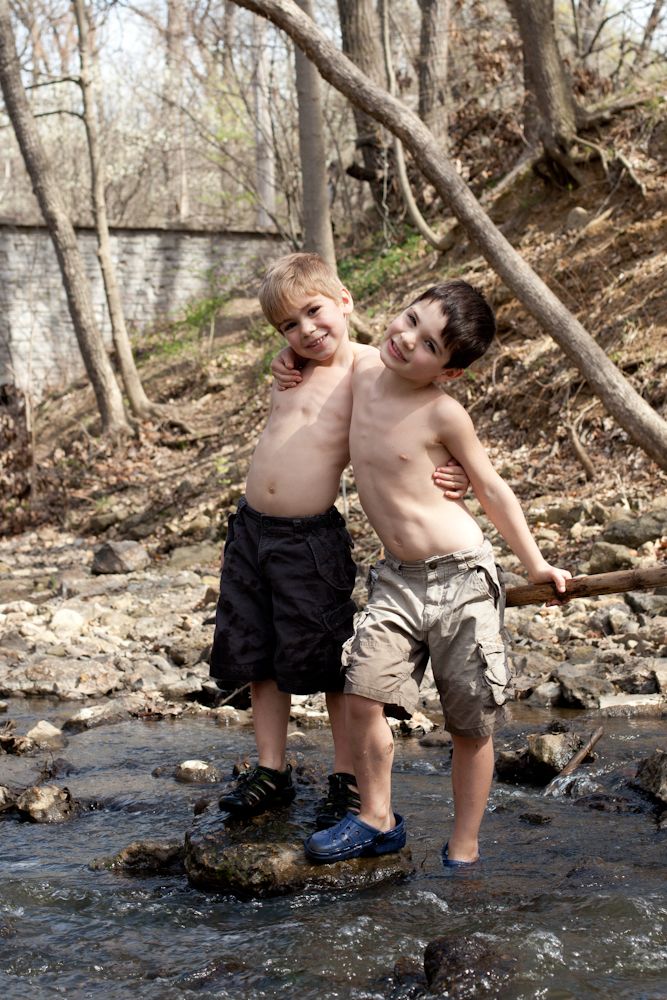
(324, 398)
(392, 433)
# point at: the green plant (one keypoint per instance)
(367, 272)
(200, 313)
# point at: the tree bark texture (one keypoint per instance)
(619, 582)
(139, 402)
(317, 231)
(544, 75)
(633, 413)
(360, 35)
(433, 66)
(45, 186)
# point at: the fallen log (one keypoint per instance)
(589, 586)
(574, 761)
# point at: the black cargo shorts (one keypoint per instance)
(285, 605)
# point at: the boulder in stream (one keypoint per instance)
(265, 857)
(652, 775)
(46, 804)
(464, 965)
(44, 734)
(144, 857)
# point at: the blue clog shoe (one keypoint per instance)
(352, 838)
(450, 863)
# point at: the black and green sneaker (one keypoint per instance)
(341, 799)
(258, 790)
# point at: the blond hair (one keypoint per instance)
(293, 276)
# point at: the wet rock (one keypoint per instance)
(46, 804)
(629, 705)
(545, 695)
(652, 775)
(44, 734)
(552, 751)
(119, 557)
(266, 858)
(438, 737)
(95, 715)
(408, 972)
(197, 772)
(660, 674)
(579, 687)
(461, 965)
(7, 798)
(12, 743)
(4, 707)
(535, 819)
(144, 857)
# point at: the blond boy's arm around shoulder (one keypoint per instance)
(286, 369)
(496, 497)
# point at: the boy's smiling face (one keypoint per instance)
(315, 325)
(413, 345)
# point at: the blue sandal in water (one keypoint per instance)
(450, 863)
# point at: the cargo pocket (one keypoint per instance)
(334, 563)
(338, 622)
(496, 670)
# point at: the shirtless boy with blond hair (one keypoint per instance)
(285, 603)
(437, 594)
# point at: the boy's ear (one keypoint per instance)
(346, 299)
(449, 374)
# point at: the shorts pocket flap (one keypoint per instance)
(496, 671)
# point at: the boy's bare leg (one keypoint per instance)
(472, 773)
(372, 746)
(270, 717)
(343, 762)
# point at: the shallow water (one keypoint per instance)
(575, 906)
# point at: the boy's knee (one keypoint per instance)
(360, 708)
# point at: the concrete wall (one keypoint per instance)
(159, 273)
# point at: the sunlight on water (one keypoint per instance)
(571, 899)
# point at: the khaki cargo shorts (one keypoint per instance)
(448, 608)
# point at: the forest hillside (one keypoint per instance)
(602, 248)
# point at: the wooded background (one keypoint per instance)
(203, 114)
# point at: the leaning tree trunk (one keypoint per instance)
(632, 412)
(45, 186)
(317, 231)
(547, 86)
(140, 404)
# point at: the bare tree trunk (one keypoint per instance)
(264, 158)
(360, 33)
(178, 204)
(318, 234)
(632, 412)
(545, 79)
(433, 66)
(45, 186)
(140, 404)
(649, 31)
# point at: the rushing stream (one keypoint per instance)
(572, 898)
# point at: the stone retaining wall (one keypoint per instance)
(159, 272)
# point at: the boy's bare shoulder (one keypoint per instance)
(447, 410)
(365, 356)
